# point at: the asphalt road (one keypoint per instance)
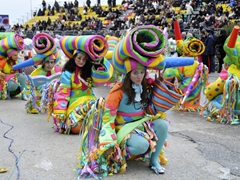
(198, 149)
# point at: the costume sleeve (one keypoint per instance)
(2, 64)
(108, 133)
(63, 94)
(164, 95)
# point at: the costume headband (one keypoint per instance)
(78, 51)
(11, 52)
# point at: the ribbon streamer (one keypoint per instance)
(9, 148)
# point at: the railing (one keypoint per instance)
(61, 33)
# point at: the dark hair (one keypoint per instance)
(127, 88)
(9, 60)
(203, 32)
(71, 66)
(44, 62)
(223, 33)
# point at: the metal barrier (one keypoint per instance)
(196, 32)
(62, 33)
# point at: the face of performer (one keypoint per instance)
(81, 59)
(137, 75)
(49, 65)
(14, 57)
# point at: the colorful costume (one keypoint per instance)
(45, 48)
(116, 124)
(223, 94)
(37, 94)
(74, 98)
(12, 82)
(190, 79)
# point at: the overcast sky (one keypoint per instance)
(18, 9)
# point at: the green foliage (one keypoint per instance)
(229, 28)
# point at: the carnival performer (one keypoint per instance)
(190, 79)
(13, 82)
(86, 68)
(46, 57)
(223, 94)
(131, 123)
(48, 68)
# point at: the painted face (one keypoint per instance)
(15, 56)
(137, 75)
(81, 59)
(49, 65)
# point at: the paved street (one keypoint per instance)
(198, 149)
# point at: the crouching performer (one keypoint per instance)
(12, 82)
(131, 123)
(46, 57)
(85, 69)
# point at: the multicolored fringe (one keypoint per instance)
(3, 87)
(91, 158)
(230, 102)
(49, 96)
(77, 116)
(195, 87)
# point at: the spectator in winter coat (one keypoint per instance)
(208, 55)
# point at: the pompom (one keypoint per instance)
(150, 81)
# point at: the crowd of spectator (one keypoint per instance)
(197, 15)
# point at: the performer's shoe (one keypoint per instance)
(24, 97)
(157, 170)
(34, 111)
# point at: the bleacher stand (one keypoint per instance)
(68, 18)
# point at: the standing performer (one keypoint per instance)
(46, 57)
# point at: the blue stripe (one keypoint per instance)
(116, 65)
(122, 54)
(67, 47)
(79, 44)
(102, 74)
(9, 42)
(2, 54)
